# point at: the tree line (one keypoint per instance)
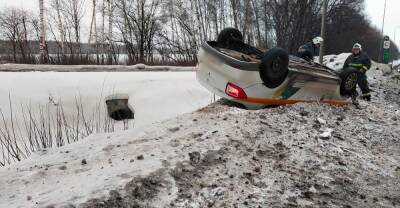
(171, 31)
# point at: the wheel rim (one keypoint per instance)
(351, 81)
(276, 68)
(276, 65)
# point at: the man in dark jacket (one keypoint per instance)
(310, 49)
(361, 61)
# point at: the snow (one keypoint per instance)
(242, 157)
(327, 133)
(321, 121)
(396, 65)
(46, 178)
(221, 156)
(335, 61)
(171, 93)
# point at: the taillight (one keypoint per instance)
(235, 91)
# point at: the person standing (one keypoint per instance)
(361, 61)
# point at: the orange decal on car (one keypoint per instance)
(289, 102)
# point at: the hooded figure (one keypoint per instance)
(310, 49)
(361, 61)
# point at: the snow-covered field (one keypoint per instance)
(305, 155)
(155, 96)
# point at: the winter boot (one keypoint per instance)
(366, 98)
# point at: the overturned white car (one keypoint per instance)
(244, 74)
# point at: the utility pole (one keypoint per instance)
(383, 26)
(42, 36)
(323, 31)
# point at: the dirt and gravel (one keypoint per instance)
(305, 155)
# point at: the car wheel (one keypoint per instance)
(229, 36)
(274, 67)
(349, 78)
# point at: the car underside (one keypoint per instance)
(244, 74)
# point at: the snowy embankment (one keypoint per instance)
(396, 65)
(304, 155)
(38, 99)
(87, 68)
(336, 62)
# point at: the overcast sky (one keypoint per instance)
(374, 9)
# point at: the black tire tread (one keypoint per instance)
(344, 74)
(228, 36)
(266, 67)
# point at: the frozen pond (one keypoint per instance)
(49, 109)
(155, 96)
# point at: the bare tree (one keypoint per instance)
(93, 30)
(56, 16)
(175, 29)
(70, 21)
(103, 30)
(142, 18)
(93, 22)
(60, 26)
(42, 38)
(16, 26)
(110, 49)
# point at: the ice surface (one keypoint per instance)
(155, 96)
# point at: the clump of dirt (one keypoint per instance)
(189, 176)
(138, 193)
(216, 107)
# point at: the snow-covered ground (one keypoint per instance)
(396, 65)
(155, 96)
(334, 61)
(304, 155)
(396, 62)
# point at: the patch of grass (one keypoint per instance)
(28, 129)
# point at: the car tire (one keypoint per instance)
(274, 67)
(228, 37)
(349, 82)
